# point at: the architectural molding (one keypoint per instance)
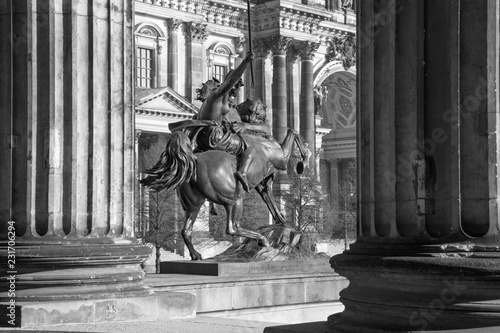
(149, 29)
(328, 69)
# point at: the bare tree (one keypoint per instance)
(305, 200)
(160, 223)
(344, 203)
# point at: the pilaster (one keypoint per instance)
(196, 34)
(173, 53)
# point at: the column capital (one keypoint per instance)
(195, 32)
(261, 47)
(306, 50)
(333, 162)
(278, 44)
(138, 134)
(173, 24)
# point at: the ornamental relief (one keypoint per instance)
(149, 30)
(342, 49)
(196, 32)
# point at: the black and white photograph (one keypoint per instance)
(250, 166)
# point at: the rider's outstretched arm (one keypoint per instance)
(234, 76)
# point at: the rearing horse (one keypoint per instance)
(210, 175)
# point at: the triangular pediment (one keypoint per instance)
(156, 108)
(163, 99)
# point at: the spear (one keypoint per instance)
(250, 38)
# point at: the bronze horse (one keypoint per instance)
(210, 175)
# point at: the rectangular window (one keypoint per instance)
(145, 68)
(219, 72)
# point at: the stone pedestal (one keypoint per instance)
(426, 257)
(67, 161)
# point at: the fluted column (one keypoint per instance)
(307, 119)
(428, 99)
(67, 158)
(173, 53)
(279, 47)
(196, 35)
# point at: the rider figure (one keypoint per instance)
(211, 130)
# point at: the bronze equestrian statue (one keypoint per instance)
(226, 162)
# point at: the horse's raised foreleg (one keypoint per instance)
(233, 224)
(186, 232)
(287, 146)
(263, 190)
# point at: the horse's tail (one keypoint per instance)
(177, 165)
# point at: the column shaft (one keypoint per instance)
(442, 156)
(307, 124)
(279, 97)
(117, 120)
(81, 120)
(128, 122)
(101, 122)
(479, 132)
(306, 51)
(6, 59)
(293, 93)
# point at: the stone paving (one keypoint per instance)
(199, 324)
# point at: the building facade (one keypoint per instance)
(304, 70)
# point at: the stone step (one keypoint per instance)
(161, 305)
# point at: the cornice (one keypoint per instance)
(278, 17)
(162, 114)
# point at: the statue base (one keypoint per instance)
(214, 268)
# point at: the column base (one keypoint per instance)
(158, 306)
(452, 291)
(55, 269)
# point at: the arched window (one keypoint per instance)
(148, 46)
(220, 60)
